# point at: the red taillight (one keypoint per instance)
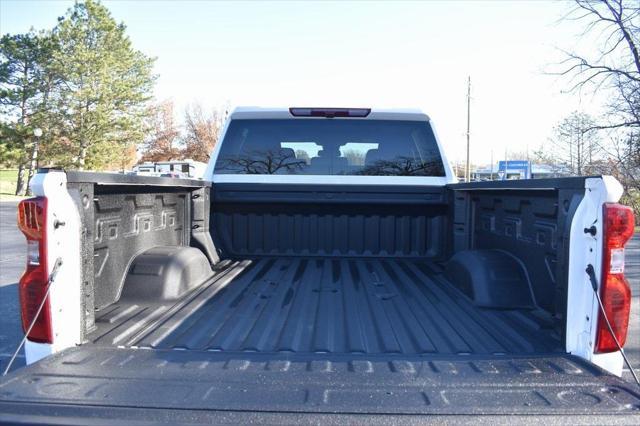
(615, 292)
(32, 215)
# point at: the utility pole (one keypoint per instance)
(492, 164)
(467, 172)
(506, 165)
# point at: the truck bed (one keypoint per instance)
(326, 305)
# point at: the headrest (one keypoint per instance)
(329, 152)
(287, 152)
(371, 157)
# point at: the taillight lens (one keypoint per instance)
(32, 215)
(615, 292)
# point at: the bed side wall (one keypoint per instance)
(529, 219)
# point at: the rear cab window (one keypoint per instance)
(339, 147)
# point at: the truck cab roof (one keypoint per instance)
(254, 112)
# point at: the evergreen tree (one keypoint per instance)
(25, 84)
(106, 85)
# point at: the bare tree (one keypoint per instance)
(622, 159)
(161, 144)
(403, 166)
(269, 162)
(612, 69)
(201, 133)
(544, 155)
(576, 144)
(615, 67)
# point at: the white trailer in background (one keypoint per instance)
(179, 168)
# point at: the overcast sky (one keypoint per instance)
(415, 54)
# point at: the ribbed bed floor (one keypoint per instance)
(370, 306)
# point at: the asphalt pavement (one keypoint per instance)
(632, 272)
(13, 250)
(12, 263)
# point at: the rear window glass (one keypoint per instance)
(330, 147)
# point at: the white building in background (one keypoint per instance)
(179, 169)
(538, 171)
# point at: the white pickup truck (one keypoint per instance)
(328, 269)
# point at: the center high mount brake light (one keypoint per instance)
(330, 112)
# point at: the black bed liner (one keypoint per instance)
(101, 382)
(318, 340)
(325, 305)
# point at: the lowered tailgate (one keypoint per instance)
(127, 385)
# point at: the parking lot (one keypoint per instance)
(632, 271)
(12, 250)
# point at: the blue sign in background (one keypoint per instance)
(522, 166)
